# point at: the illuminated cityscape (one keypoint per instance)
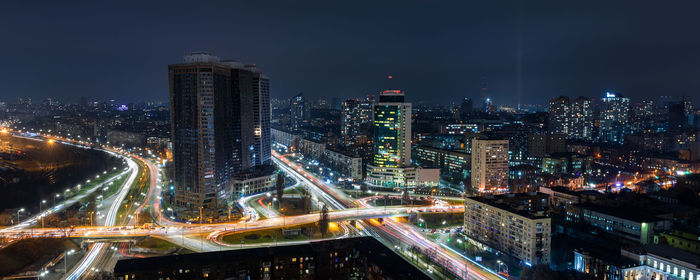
(325, 140)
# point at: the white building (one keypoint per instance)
(523, 234)
(411, 176)
(489, 166)
(651, 262)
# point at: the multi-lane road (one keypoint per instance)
(407, 235)
(98, 249)
(207, 237)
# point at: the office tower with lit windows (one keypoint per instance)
(219, 126)
(489, 166)
(614, 118)
(392, 130)
(298, 111)
(559, 113)
(392, 140)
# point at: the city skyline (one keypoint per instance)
(313, 140)
(459, 47)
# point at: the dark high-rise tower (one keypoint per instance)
(465, 108)
(297, 111)
(220, 125)
(559, 113)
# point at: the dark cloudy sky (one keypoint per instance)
(436, 50)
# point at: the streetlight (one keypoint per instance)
(499, 262)
(54, 199)
(284, 218)
(41, 215)
(20, 210)
(65, 260)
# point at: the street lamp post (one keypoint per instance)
(229, 213)
(65, 260)
(500, 263)
(41, 215)
(20, 210)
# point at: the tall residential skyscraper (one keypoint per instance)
(489, 166)
(573, 118)
(614, 118)
(298, 111)
(559, 113)
(642, 116)
(581, 119)
(356, 118)
(220, 125)
(350, 123)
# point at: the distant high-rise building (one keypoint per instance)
(298, 111)
(356, 118)
(489, 166)
(677, 120)
(687, 105)
(220, 125)
(559, 113)
(489, 107)
(571, 118)
(614, 118)
(642, 115)
(465, 108)
(581, 119)
(350, 123)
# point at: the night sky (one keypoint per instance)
(437, 52)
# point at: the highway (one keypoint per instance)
(403, 234)
(111, 218)
(206, 237)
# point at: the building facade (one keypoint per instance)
(505, 223)
(298, 112)
(356, 119)
(614, 118)
(219, 126)
(392, 141)
(489, 166)
(454, 165)
(559, 114)
(581, 119)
